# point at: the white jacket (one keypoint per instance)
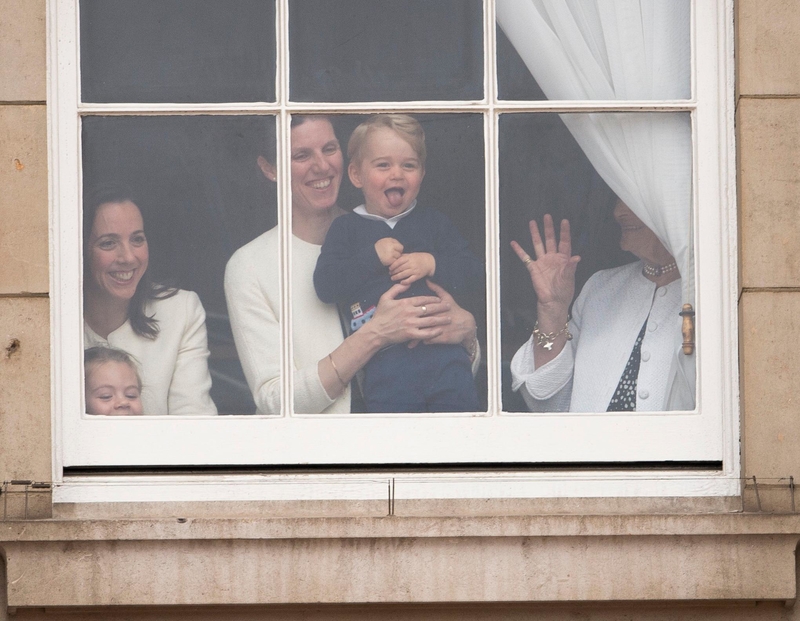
(173, 366)
(606, 319)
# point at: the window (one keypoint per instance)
(181, 109)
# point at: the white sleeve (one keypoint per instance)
(548, 388)
(191, 381)
(257, 333)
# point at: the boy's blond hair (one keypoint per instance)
(407, 127)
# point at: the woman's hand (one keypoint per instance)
(425, 318)
(461, 330)
(408, 319)
(552, 272)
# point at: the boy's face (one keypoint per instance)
(389, 173)
(112, 389)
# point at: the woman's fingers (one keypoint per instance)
(565, 239)
(538, 246)
(549, 234)
(393, 292)
(549, 245)
(440, 291)
(523, 256)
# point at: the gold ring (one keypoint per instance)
(527, 260)
(424, 310)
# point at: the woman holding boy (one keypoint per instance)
(325, 362)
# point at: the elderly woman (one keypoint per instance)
(324, 361)
(161, 327)
(618, 351)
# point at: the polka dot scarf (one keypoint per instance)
(624, 399)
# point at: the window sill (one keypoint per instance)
(723, 558)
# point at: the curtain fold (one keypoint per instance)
(620, 50)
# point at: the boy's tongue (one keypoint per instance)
(395, 196)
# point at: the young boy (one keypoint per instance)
(391, 239)
(113, 385)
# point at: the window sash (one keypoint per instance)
(710, 433)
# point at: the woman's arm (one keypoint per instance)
(395, 321)
(191, 380)
(255, 322)
(552, 275)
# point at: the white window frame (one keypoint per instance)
(104, 442)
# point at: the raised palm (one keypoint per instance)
(552, 272)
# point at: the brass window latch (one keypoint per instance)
(687, 312)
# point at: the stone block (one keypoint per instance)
(768, 33)
(769, 155)
(770, 350)
(25, 449)
(23, 46)
(23, 199)
(401, 570)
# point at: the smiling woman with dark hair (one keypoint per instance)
(162, 327)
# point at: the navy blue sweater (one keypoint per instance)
(349, 271)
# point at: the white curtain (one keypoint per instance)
(620, 50)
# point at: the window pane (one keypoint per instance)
(384, 50)
(586, 168)
(196, 185)
(442, 237)
(558, 49)
(168, 51)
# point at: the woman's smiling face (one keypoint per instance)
(639, 239)
(118, 252)
(317, 166)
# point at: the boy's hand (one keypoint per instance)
(412, 267)
(389, 250)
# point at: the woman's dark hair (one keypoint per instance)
(146, 290)
(269, 147)
(99, 355)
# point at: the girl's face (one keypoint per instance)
(118, 253)
(317, 166)
(112, 389)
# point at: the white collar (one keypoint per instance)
(362, 211)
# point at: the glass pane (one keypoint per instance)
(385, 50)
(593, 49)
(167, 201)
(414, 209)
(623, 182)
(170, 51)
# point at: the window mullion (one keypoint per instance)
(492, 229)
(284, 203)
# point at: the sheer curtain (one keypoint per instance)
(621, 50)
